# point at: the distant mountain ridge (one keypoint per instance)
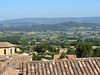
(65, 26)
(34, 21)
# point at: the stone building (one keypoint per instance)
(7, 48)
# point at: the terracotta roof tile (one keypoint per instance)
(16, 59)
(6, 44)
(3, 57)
(84, 66)
(10, 71)
(56, 57)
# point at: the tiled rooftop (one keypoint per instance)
(14, 62)
(5, 44)
(86, 66)
(56, 57)
(3, 66)
(16, 59)
(9, 71)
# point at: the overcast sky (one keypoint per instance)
(13, 9)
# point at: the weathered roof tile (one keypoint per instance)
(65, 67)
(6, 44)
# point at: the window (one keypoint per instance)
(10, 51)
(15, 50)
(20, 74)
(4, 51)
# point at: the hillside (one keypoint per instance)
(34, 21)
(66, 26)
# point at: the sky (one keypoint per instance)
(14, 9)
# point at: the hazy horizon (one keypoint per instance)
(47, 9)
(47, 17)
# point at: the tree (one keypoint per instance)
(71, 51)
(43, 47)
(84, 50)
(63, 46)
(96, 52)
(37, 57)
(75, 44)
(68, 46)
